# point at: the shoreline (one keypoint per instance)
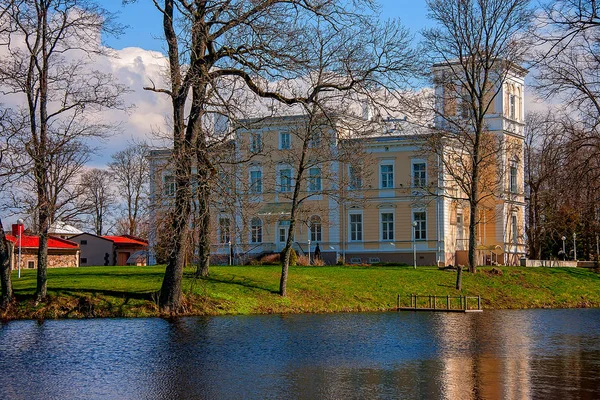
(129, 292)
(76, 315)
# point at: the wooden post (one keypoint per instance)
(434, 302)
(447, 302)
(459, 278)
(398, 304)
(465, 302)
(479, 302)
(415, 301)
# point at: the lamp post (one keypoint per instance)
(564, 249)
(308, 251)
(229, 243)
(414, 224)
(574, 246)
(20, 228)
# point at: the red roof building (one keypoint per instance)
(61, 252)
(108, 250)
(33, 242)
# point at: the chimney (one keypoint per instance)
(17, 228)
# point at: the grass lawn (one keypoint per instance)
(129, 291)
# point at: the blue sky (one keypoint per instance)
(145, 24)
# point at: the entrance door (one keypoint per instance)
(283, 228)
(122, 258)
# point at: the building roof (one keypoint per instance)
(33, 242)
(126, 239)
(61, 228)
(139, 256)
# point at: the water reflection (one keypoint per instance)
(549, 354)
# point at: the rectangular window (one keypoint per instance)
(314, 180)
(224, 230)
(419, 175)
(285, 180)
(256, 231)
(315, 231)
(512, 102)
(224, 182)
(387, 176)
(387, 226)
(84, 260)
(256, 181)
(354, 179)
(83, 242)
(356, 228)
(315, 139)
(30, 264)
(515, 230)
(169, 186)
(513, 179)
(256, 142)
(284, 227)
(285, 141)
(420, 217)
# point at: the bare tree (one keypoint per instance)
(130, 170)
(98, 197)
(258, 46)
(567, 64)
(568, 60)
(544, 159)
(49, 47)
(65, 162)
(9, 166)
(475, 45)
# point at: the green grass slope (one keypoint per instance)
(130, 291)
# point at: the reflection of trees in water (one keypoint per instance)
(545, 354)
(485, 356)
(493, 355)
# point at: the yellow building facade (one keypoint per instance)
(382, 201)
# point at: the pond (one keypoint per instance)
(546, 354)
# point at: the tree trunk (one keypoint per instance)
(473, 238)
(285, 264)
(204, 224)
(5, 272)
(42, 268)
(171, 289)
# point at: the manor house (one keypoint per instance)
(378, 197)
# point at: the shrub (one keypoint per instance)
(270, 259)
(318, 262)
(293, 256)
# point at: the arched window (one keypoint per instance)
(315, 229)
(256, 230)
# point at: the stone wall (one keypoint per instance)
(55, 260)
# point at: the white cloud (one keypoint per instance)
(136, 68)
